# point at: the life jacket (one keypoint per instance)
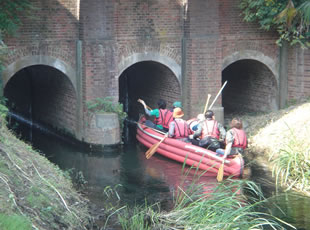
(210, 128)
(159, 120)
(240, 139)
(180, 129)
(168, 117)
(192, 124)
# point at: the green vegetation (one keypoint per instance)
(16, 222)
(34, 192)
(107, 105)
(292, 166)
(282, 137)
(223, 207)
(290, 18)
(10, 14)
(3, 109)
(10, 19)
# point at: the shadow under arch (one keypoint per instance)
(27, 61)
(66, 71)
(151, 56)
(253, 55)
(253, 83)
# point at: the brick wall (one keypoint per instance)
(51, 30)
(298, 74)
(113, 32)
(256, 84)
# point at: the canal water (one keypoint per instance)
(124, 175)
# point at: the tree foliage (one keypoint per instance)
(10, 14)
(291, 18)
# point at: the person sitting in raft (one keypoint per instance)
(236, 140)
(178, 128)
(210, 133)
(158, 113)
(169, 115)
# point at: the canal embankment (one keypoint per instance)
(35, 194)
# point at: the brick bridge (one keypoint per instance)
(72, 51)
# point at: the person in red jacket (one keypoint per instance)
(209, 132)
(159, 114)
(236, 140)
(178, 128)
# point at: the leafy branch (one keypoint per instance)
(291, 19)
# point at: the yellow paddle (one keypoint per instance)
(154, 147)
(206, 106)
(220, 172)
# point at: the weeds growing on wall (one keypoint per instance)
(107, 105)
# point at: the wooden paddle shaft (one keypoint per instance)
(218, 94)
(206, 106)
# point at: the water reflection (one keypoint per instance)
(155, 179)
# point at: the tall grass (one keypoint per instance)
(292, 164)
(223, 206)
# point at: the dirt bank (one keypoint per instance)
(35, 194)
(282, 134)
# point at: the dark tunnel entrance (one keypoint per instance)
(43, 95)
(251, 87)
(149, 81)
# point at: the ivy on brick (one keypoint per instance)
(290, 18)
(11, 12)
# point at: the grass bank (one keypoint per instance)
(35, 194)
(282, 138)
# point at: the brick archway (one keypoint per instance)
(27, 61)
(253, 55)
(151, 56)
(59, 65)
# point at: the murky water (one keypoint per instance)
(134, 179)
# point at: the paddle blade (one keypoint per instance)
(220, 173)
(153, 148)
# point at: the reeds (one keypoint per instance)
(222, 206)
(292, 165)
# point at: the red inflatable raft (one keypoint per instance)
(194, 155)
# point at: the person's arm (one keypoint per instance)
(142, 102)
(222, 131)
(154, 112)
(227, 150)
(229, 142)
(171, 129)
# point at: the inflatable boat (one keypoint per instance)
(195, 156)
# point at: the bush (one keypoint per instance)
(107, 105)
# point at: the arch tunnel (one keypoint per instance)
(150, 81)
(251, 87)
(44, 95)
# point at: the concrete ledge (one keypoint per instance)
(104, 129)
